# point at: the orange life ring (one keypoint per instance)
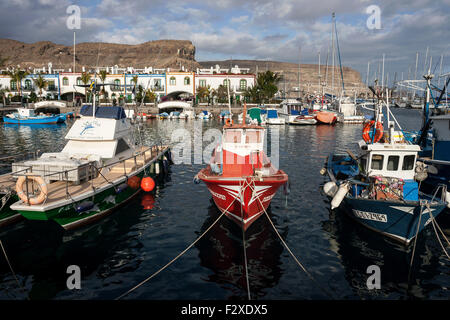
(35, 200)
(227, 121)
(368, 129)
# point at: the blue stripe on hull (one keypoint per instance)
(394, 219)
(46, 120)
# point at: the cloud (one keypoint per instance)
(259, 29)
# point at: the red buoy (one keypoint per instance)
(148, 201)
(134, 182)
(147, 184)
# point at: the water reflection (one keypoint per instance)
(221, 251)
(358, 248)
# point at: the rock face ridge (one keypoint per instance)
(157, 54)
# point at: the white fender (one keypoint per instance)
(330, 188)
(340, 195)
(447, 199)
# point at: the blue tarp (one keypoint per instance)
(295, 113)
(304, 112)
(272, 114)
(104, 112)
(205, 112)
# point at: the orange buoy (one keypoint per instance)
(148, 201)
(134, 182)
(147, 184)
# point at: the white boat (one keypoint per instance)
(205, 115)
(174, 115)
(347, 110)
(303, 120)
(273, 117)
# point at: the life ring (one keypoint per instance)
(368, 129)
(35, 200)
(227, 121)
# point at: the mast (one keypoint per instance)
(299, 53)
(73, 97)
(332, 53)
(415, 75)
(382, 74)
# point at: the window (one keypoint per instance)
(377, 162)
(121, 146)
(173, 81)
(51, 85)
(79, 81)
(392, 164)
(116, 84)
(363, 163)
(202, 83)
(65, 81)
(408, 162)
(243, 84)
(13, 85)
(226, 82)
(253, 137)
(233, 136)
(27, 84)
(187, 81)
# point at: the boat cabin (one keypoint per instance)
(441, 128)
(242, 149)
(389, 160)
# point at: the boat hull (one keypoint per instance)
(7, 215)
(243, 200)
(104, 202)
(394, 219)
(44, 120)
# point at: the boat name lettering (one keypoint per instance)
(268, 197)
(218, 195)
(370, 216)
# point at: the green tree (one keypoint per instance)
(85, 79)
(40, 83)
(203, 93)
(102, 75)
(18, 76)
(266, 85)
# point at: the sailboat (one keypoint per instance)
(240, 177)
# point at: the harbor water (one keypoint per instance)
(125, 248)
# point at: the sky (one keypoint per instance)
(281, 30)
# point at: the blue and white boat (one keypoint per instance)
(273, 117)
(225, 114)
(205, 115)
(27, 116)
(379, 188)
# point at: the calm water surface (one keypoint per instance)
(125, 248)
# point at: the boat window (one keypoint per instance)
(233, 136)
(253, 137)
(377, 162)
(392, 164)
(121, 146)
(408, 162)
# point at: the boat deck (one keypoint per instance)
(62, 190)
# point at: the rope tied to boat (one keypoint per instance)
(11, 268)
(177, 257)
(290, 251)
(434, 224)
(241, 195)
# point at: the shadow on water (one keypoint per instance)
(358, 248)
(221, 251)
(41, 251)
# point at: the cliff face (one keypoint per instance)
(157, 54)
(309, 73)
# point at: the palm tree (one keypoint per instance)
(135, 81)
(203, 92)
(150, 94)
(85, 78)
(3, 94)
(102, 75)
(18, 76)
(41, 83)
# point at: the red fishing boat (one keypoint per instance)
(240, 177)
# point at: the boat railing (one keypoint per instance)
(92, 170)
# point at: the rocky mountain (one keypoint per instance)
(172, 54)
(157, 54)
(309, 74)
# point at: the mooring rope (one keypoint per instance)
(434, 223)
(11, 268)
(415, 239)
(241, 195)
(291, 253)
(178, 256)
